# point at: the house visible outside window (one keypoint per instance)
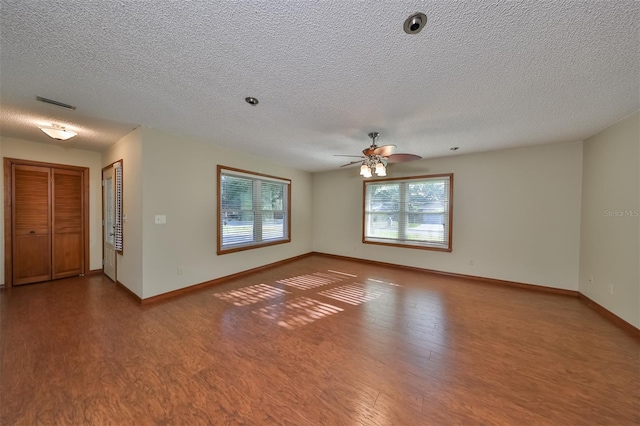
(253, 210)
(411, 212)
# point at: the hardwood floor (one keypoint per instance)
(317, 341)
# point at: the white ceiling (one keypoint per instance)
(481, 75)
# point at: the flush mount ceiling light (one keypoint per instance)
(251, 101)
(57, 132)
(415, 23)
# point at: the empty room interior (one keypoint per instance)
(320, 213)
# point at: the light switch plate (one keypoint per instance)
(161, 219)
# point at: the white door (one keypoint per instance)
(108, 223)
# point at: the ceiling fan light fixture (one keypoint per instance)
(374, 159)
(57, 132)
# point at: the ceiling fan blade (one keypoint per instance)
(401, 158)
(383, 151)
(342, 155)
(351, 163)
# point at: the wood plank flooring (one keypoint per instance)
(317, 341)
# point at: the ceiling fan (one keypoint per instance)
(375, 158)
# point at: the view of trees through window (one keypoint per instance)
(253, 210)
(409, 211)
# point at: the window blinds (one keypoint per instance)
(253, 209)
(118, 207)
(412, 212)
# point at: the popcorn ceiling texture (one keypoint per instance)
(481, 75)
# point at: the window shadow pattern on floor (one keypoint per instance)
(317, 279)
(297, 312)
(252, 294)
(304, 310)
(353, 294)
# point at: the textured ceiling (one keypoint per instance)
(481, 75)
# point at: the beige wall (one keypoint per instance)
(129, 264)
(541, 215)
(27, 150)
(179, 181)
(516, 214)
(610, 234)
(174, 176)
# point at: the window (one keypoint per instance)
(112, 181)
(253, 210)
(117, 166)
(411, 212)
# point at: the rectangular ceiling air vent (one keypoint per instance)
(56, 103)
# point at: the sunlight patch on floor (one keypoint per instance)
(384, 282)
(252, 294)
(353, 294)
(297, 312)
(309, 281)
(342, 273)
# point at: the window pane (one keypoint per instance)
(272, 196)
(237, 210)
(109, 225)
(253, 210)
(237, 194)
(426, 211)
(382, 209)
(239, 229)
(118, 239)
(383, 225)
(272, 214)
(272, 225)
(385, 198)
(412, 212)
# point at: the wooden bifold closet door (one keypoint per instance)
(48, 227)
(31, 224)
(67, 233)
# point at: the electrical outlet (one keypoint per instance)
(610, 288)
(180, 270)
(472, 262)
